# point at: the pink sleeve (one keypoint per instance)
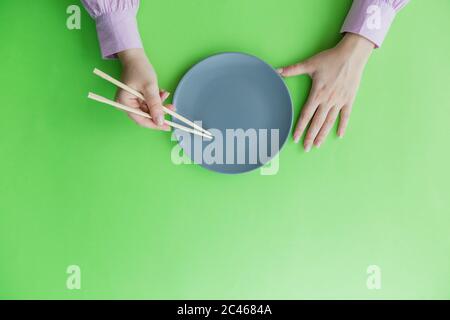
(116, 25)
(372, 18)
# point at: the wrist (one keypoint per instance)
(130, 56)
(357, 45)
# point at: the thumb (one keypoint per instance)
(154, 104)
(297, 69)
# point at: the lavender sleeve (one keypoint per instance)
(372, 18)
(116, 25)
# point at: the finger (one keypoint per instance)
(142, 121)
(171, 107)
(154, 104)
(163, 94)
(127, 99)
(165, 126)
(327, 125)
(130, 100)
(306, 114)
(303, 67)
(146, 122)
(143, 106)
(316, 124)
(344, 118)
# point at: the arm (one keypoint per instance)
(119, 37)
(372, 19)
(336, 73)
(116, 25)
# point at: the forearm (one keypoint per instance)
(131, 55)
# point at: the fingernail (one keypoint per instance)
(160, 120)
(308, 148)
(280, 70)
(296, 138)
(318, 145)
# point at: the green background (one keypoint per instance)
(81, 184)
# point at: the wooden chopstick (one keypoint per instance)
(136, 93)
(141, 113)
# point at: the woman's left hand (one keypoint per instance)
(336, 74)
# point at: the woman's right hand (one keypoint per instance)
(139, 74)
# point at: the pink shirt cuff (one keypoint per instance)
(118, 31)
(372, 18)
(116, 25)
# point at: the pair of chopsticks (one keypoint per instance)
(197, 130)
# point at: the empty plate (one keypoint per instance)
(243, 102)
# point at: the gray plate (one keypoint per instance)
(232, 91)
